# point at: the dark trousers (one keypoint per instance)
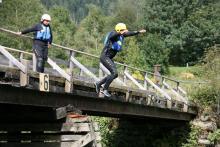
(41, 52)
(110, 65)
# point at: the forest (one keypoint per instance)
(178, 32)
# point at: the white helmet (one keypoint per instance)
(45, 17)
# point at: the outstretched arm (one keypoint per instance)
(32, 29)
(132, 33)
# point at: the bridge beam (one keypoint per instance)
(88, 103)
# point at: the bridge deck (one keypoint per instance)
(126, 102)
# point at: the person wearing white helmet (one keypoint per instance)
(112, 45)
(42, 40)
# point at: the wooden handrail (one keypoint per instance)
(12, 59)
(19, 51)
(74, 50)
(53, 44)
(95, 56)
(79, 65)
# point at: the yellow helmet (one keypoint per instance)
(120, 26)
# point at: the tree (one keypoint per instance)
(132, 55)
(199, 31)
(63, 30)
(154, 51)
(187, 26)
(89, 35)
(78, 8)
(16, 15)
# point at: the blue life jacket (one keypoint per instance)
(117, 45)
(43, 34)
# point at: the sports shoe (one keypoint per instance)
(97, 87)
(105, 92)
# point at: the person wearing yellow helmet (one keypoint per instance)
(42, 40)
(112, 45)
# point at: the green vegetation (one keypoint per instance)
(208, 93)
(205, 96)
(176, 71)
(179, 32)
(215, 136)
(192, 137)
(140, 133)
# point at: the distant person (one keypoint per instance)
(113, 45)
(42, 40)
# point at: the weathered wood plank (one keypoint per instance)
(90, 94)
(134, 81)
(24, 113)
(76, 127)
(43, 137)
(10, 64)
(145, 81)
(34, 61)
(24, 79)
(83, 68)
(88, 104)
(61, 112)
(179, 97)
(84, 140)
(12, 59)
(78, 82)
(36, 127)
(59, 70)
(48, 127)
(36, 144)
(68, 86)
(182, 91)
(18, 51)
(158, 88)
(77, 120)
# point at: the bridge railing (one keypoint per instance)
(162, 87)
(127, 77)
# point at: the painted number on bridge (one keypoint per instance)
(44, 82)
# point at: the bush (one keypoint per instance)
(205, 96)
(215, 136)
(193, 137)
(208, 94)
